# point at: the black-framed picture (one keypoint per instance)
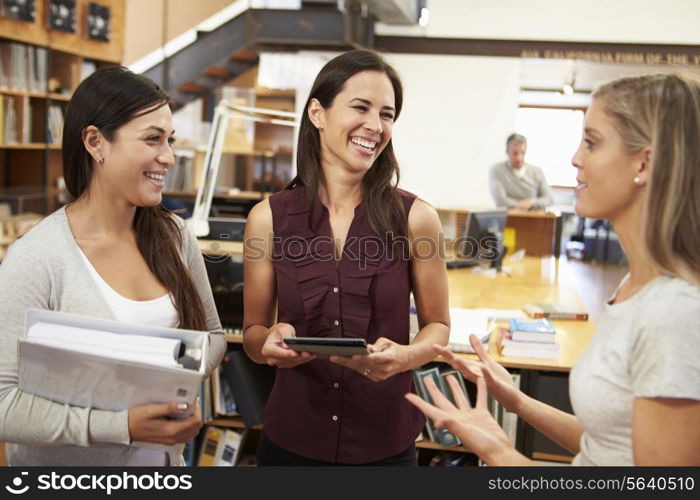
(22, 10)
(98, 22)
(62, 15)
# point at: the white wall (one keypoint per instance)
(457, 113)
(631, 21)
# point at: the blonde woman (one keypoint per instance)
(636, 390)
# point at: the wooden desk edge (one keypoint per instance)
(221, 248)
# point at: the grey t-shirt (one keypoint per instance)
(645, 347)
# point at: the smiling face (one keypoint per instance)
(606, 170)
(357, 126)
(137, 159)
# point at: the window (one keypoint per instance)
(553, 135)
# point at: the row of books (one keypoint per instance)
(181, 175)
(507, 420)
(23, 67)
(15, 119)
(55, 124)
(221, 447)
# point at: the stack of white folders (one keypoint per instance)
(130, 365)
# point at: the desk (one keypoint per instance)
(242, 196)
(546, 279)
(537, 232)
(215, 248)
(532, 280)
(535, 279)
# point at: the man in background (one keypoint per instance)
(516, 184)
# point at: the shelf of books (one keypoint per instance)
(232, 402)
(44, 55)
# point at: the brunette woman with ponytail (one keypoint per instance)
(114, 253)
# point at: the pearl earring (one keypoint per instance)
(637, 180)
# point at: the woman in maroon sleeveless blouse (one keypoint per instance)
(337, 254)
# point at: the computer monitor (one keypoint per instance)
(483, 238)
(226, 229)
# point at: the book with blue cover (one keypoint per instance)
(541, 325)
(532, 330)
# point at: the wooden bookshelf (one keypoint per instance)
(31, 155)
(80, 44)
(237, 423)
(551, 457)
(430, 445)
(59, 97)
(234, 338)
(21, 93)
(30, 145)
(230, 422)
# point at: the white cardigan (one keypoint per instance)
(44, 270)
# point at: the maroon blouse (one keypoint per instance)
(322, 410)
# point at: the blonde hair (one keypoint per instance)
(663, 112)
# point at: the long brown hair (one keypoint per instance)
(108, 99)
(663, 112)
(380, 195)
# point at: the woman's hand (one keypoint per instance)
(475, 427)
(498, 381)
(386, 359)
(164, 423)
(277, 353)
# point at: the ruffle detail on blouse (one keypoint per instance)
(317, 274)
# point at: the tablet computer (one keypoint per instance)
(328, 346)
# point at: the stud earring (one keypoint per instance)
(99, 158)
(637, 180)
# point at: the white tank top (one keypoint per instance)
(156, 312)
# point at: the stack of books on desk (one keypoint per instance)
(530, 339)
